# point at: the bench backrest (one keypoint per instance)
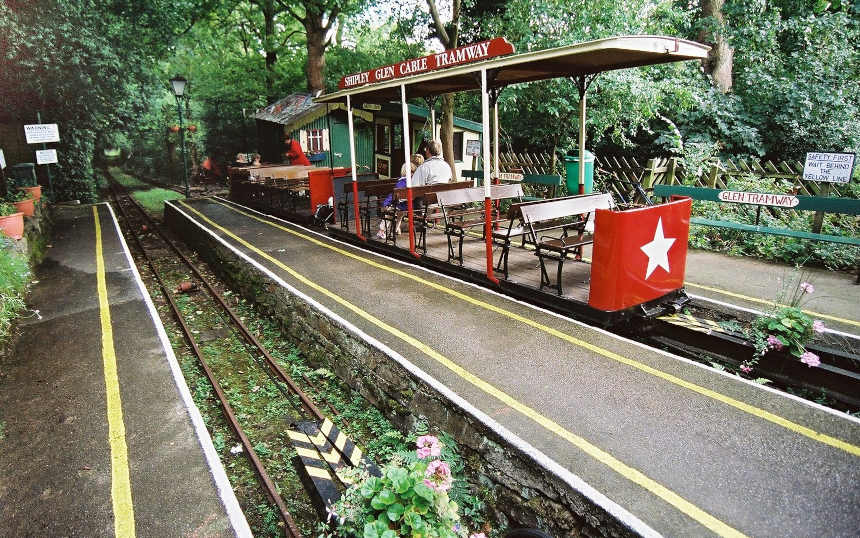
(365, 185)
(426, 189)
(476, 194)
(564, 207)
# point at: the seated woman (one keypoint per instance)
(415, 161)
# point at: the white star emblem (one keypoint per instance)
(658, 250)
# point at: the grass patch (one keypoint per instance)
(14, 277)
(153, 199)
(127, 181)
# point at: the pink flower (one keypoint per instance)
(746, 368)
(774, 342)
(811, 359)
(807, 287)
(478, 535)
(428, 445)
(818, 326)
(438, 476)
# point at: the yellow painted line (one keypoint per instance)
(772, 303)
(728, 400)
(123, 509)
(634, 475)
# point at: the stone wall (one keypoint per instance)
(519, 491)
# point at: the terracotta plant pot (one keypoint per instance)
(26, 207)
(12, 225)
(192, 128)
(34, 192)
(174, 128)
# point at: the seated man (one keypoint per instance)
(434, 170)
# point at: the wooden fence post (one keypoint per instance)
(670, 171)
(818, 219)
(712, 175)
(649, 179)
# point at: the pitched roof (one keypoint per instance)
(289, 109)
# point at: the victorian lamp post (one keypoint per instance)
(178, 84)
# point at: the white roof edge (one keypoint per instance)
(686, 50)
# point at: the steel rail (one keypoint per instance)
(271, 490)
(249, 336)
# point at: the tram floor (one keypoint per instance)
(523, 265)
(685, 449)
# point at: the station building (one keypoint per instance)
(322, 130)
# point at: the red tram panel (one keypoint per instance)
(639, 255)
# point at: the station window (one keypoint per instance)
(458, 146)
(315, 140)
(383, 139)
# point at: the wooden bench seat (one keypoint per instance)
(564, 216)
(461, 211)
(427, 212)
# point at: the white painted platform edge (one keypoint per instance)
(622, 515)
(729, 375)
(225, 491)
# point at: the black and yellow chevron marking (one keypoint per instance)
(695, 324)
(325, 451)
(346, 447)
(314, 467)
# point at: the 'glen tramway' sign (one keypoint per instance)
(758, 198)
(497, 46)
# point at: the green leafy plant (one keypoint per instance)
(7, 209)
(411, 498)
(17, 196)
(786, 328)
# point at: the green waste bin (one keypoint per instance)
(571, 166)
(23, 174)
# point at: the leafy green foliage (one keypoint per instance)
(14, 278)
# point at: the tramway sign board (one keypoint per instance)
(497, 46)
(758, 198)
(42, 133)
(828, 167)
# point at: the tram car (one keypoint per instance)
(582, 254)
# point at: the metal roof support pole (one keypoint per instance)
(404, 108)
(488, 203)
(582, 84)
(354, 173)
(496, 137)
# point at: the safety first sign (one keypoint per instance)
(828, 167)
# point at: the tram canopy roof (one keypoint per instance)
(586, 58)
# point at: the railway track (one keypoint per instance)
(161, 256)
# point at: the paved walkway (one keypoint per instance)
(99, 437)
(755, 284)
(684, 449)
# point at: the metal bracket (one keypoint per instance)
(583, 82)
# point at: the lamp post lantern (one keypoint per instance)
(178, 85)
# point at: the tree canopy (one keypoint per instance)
(100, 68)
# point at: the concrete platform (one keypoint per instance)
(675, 448)
(88, 453)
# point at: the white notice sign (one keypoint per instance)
(510, 176)
(46, 156)
(828, 167)
(42, 133)
(2, 160)
(473, 147)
